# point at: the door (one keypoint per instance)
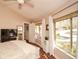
(26, 31)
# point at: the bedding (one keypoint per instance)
(18, 49)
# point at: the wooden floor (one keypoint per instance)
(42, 54)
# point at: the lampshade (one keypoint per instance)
(20, 1)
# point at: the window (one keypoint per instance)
(66, 35)
(38, 31)
(74, 34)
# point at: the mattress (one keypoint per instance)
(18, 49)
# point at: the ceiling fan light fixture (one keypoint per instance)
(20, 1)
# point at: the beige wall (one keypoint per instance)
(10, 19)
(32, 32)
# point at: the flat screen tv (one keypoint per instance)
(8, 34)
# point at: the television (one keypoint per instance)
(8, 34)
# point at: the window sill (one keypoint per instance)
(65, 52)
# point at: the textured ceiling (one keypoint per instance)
(40, 10)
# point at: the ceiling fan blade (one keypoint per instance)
(10, 0)
(29, 4)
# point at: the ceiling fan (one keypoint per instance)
(22, 2)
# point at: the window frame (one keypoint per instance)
(69, 16)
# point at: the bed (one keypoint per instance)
(18, 49)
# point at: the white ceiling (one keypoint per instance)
(41, 7)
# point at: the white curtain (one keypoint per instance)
(51, 36)
(43, 34)
(78, 43)
(48, 46)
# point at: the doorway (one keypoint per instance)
(26, 32)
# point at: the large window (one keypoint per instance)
(66, 35)
(38, 31)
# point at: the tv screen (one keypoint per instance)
(4, 32)
(8, 32)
